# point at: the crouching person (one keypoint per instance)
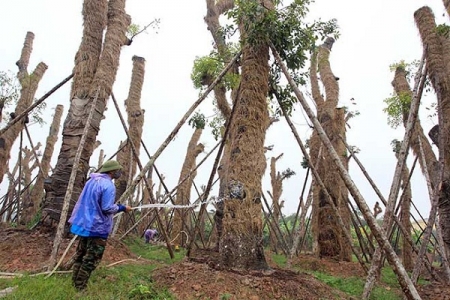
(149, 235)
(92, 220)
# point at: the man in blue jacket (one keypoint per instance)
(92, 220)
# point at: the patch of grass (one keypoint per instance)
(4, 283)
(279, 259)
(119, 282)
(355, 285)
(154, 252)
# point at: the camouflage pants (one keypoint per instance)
(88, 256)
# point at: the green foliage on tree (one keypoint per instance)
(207, 68)
(443, 30)
(217, 126)
(396, 106)
(292, 36)
(286, 28)
(197, 121)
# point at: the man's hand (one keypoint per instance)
(127, 208)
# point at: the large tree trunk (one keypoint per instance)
(180, 220)
(135, 125)
(29, 83)
(241, 245)
(331, 240)
(96, 65)
(437, 61)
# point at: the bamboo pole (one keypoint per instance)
(405, 282)
(68, 195)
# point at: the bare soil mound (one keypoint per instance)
(24, 250)
(199, 278)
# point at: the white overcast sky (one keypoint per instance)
(374, 34)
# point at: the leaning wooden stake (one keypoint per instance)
(405, 282)
(73, 174)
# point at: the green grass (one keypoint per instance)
(355, 285)
(153, 252)
(279, 259)
(119, 282)
(132, 281)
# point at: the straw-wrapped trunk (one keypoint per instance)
(330, 236)
(135, 115)
(438, 72)
(96, 64)
(29, 84)
(241, 244)
(183, 197)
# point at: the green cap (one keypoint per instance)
(110, 165)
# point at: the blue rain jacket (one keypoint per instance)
(93, 213)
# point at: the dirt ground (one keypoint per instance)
(22, 250)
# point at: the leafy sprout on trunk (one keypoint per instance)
(198, 121)
(206, 69)
(396, 106)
